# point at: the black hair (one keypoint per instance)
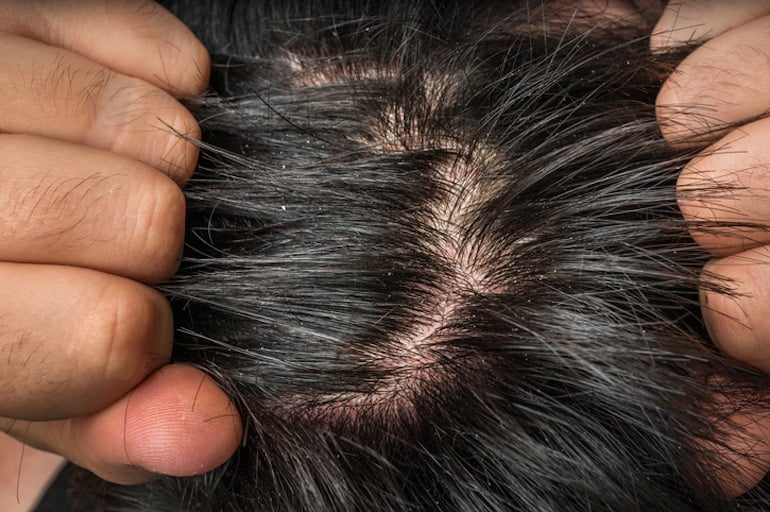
(434, 256)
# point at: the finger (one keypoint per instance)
(177, 422)
(94, 209)
(690, 21)
(724, 194)
(62, 329)
(744, 458)
(62, 95)
(739, 323)
(138, 38)
(723, 81)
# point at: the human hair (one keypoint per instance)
(435, 258)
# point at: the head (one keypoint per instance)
(434, 257)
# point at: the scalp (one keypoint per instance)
(438, 265)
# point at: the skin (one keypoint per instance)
(95, 148)
(92, 212)
(24, 471)
(724, 80)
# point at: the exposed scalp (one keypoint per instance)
(439, 265)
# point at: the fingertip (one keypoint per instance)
(180, 423)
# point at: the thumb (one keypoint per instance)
(178, 422)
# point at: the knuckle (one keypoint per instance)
(153, 127)
(141, 121)
(125, 331)
(156, 233)
(194, 71)
(202, 63)
(178, 149)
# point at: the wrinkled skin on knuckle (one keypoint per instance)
(181, 152)
(152, 21)
(155, 226)
(141, 121)
(131, 336)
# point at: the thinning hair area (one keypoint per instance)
(435, 258)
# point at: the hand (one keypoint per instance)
(726, 80)
(92, 156)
